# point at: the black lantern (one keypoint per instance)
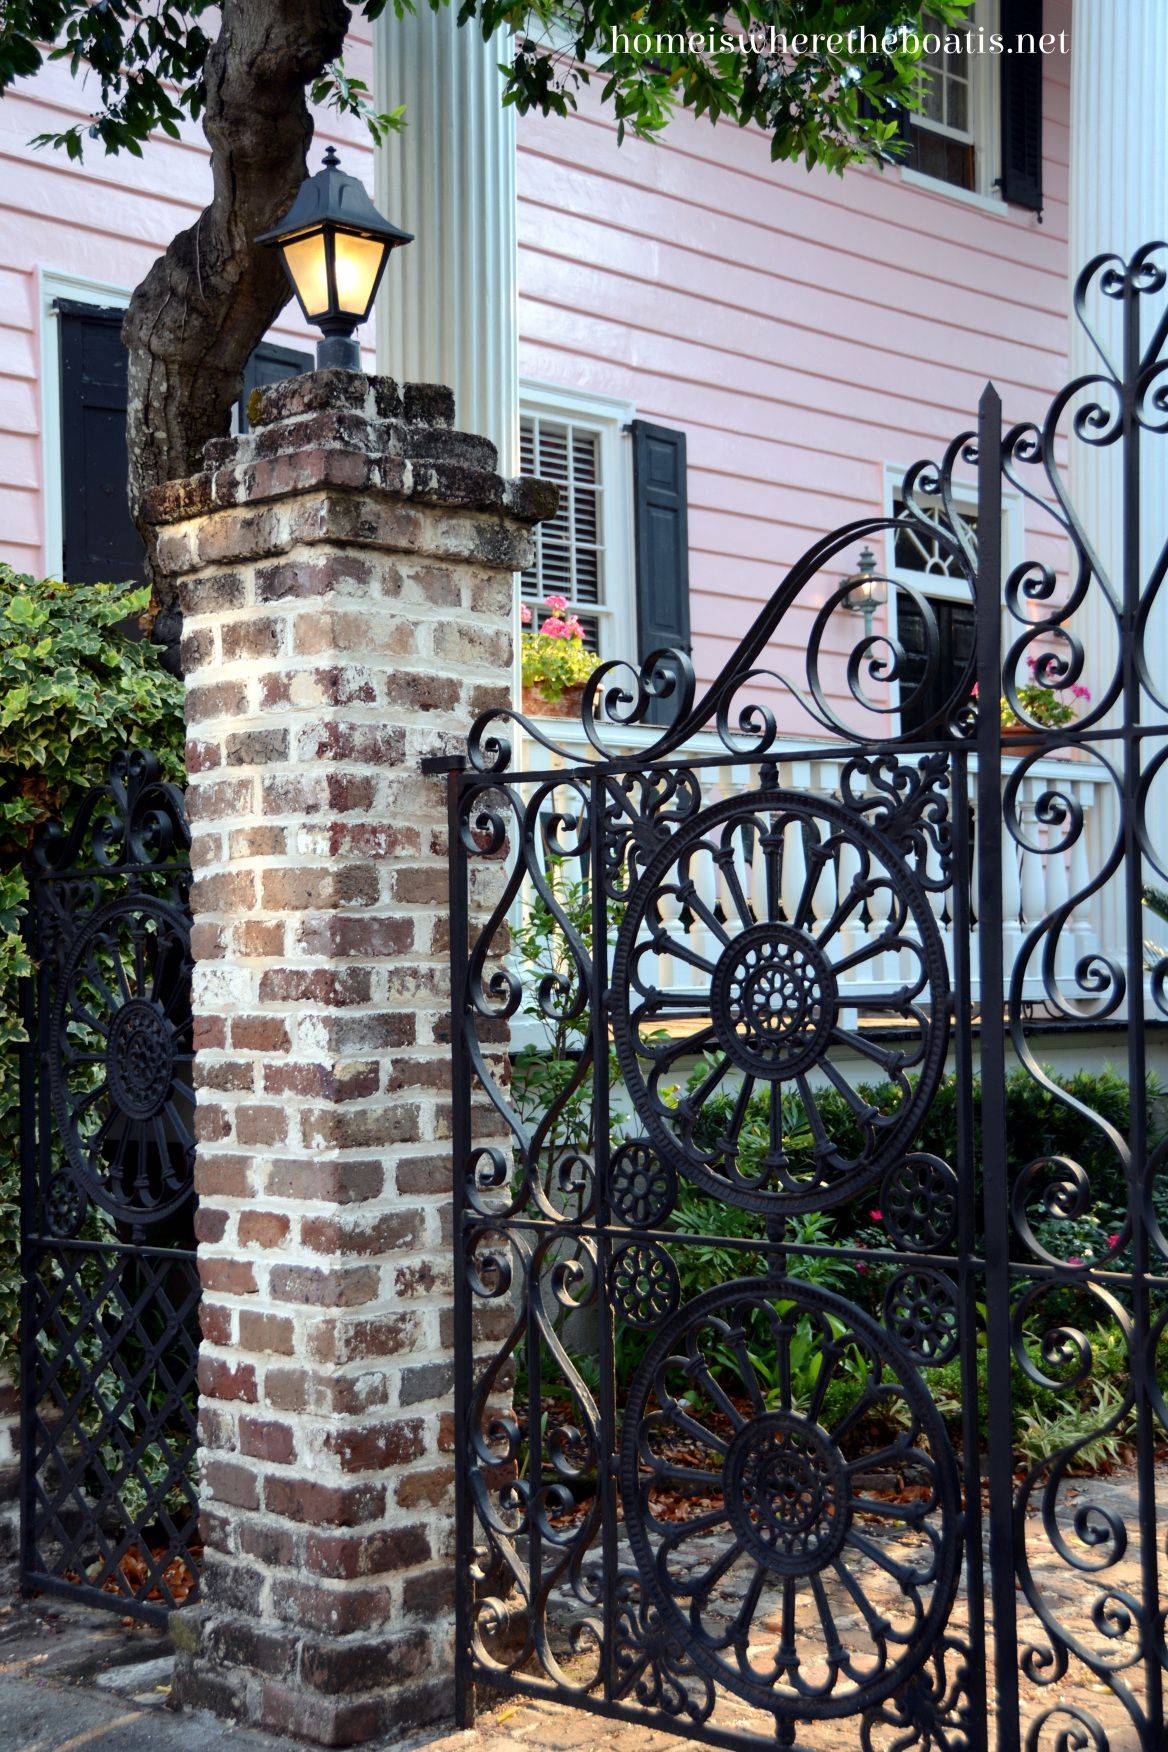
(334, 245)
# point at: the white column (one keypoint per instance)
(1118, 200)
(447, 313)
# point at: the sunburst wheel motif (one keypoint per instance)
(791, 1498)
(121, 1059)
(755, 937)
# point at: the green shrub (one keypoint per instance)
(74, 687)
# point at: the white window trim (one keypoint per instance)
(51, 286)
(609, 417)
(927, 583)
(985, 109)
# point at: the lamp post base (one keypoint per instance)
(338, 353)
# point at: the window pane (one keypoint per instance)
(915, 550)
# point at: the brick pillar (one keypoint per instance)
(346, 578)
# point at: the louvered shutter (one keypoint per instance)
(1022, 107)
(101, 545)
(662, 544)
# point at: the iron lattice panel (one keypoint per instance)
(112, 1391)
(109, 1327)
(711, 994)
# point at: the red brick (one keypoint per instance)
(370, 1447)
(326, 1182)
(316, 985)
(321, 1081)
(259, 1034)
(323, 1505)
(263, 1439)
(288, 889)
(219, 1379)
(234, 1277)
(261, 1125)
(223, 1176)
(262, 1228)
(214, 1322)
(357, 1235)
(324, 1289)
(344, 1556)
(232, 1484)
(266, 1332)
(209, 1224)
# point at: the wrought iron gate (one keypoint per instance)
(109, 1326)
(769, 1350)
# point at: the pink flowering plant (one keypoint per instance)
(554, 654)
(1049, 706)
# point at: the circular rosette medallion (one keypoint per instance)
(783, 943)
(791, 1498)
(121, 1059)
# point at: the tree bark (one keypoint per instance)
(207, 303)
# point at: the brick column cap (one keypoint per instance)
(348, 433)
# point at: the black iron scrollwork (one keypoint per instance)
(713, 980)
(795, 895)
(794, 1538)
(109, 1342)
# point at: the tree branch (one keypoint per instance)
(208, 301)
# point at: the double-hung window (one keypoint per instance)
(582, 554)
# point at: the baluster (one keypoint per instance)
(884, 969)
(671, 971)
(1058, 889)
(1084, 936)
(937, 896)
(851, 935)
(1011, 897)
(1034, 893)
(794, 870)
(702, 938)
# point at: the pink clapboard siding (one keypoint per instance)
(103, 221)
(805, 330)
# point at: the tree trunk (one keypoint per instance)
(208, 302)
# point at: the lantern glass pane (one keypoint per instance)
(357, 260)
(307, 265)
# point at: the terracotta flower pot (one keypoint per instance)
(569, 704)
(1019, 740)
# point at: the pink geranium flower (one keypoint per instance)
(572, 628)
(525, 614)
(554, 628)
(557, 604)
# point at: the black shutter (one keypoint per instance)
(269, 364)
(1022, 106)
(662, 544)
(100, 543)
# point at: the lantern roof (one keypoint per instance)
(333, 197)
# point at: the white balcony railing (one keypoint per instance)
(1035, 882)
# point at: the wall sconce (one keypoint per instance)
(866, 592)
